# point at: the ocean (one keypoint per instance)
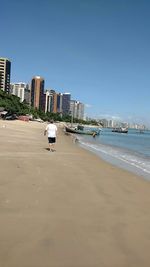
(129, 151)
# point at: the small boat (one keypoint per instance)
(78, 130)
(120, 130)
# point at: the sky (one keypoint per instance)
(98, 50)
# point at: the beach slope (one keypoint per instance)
(67, 208)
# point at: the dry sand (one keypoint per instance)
(68, 208)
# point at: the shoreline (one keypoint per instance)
(120, 158)
(68, 208)
(119, 163)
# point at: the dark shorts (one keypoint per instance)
(51, 140)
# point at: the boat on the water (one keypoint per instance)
(81, 130)
(120, 130)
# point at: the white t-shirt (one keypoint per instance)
(51, 130)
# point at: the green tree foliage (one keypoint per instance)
(12, 104)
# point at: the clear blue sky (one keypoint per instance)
(98, 50)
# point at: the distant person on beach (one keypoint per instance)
(51, 131)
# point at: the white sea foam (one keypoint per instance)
(120, 157)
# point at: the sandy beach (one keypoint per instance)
(67, 208)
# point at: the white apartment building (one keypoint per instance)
(77, 109)
(18, 89)
(48, 101)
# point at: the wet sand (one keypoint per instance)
(67, 208)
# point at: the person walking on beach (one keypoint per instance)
(51, 131)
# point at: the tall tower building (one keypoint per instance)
(54, 96)
(55, 102)
(77, 109)
(5, 68)
(80, 110)
(27, 94)
(48, 101)
(37, 92)
(59, 103)
(66, 97)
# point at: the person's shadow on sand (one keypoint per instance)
(46, 148)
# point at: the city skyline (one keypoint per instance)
(46, 100)
(96, 50)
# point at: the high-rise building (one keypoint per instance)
(73, 108)
(5, 68)
(52, 95)
(77, 109)
(48, 100)
(18, 89)
(54, 102)
(59, 103)
(66, 97)
(27, 94)
(80, 110)
(51, 100)
(37, 92)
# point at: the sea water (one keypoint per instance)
(130, 151)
